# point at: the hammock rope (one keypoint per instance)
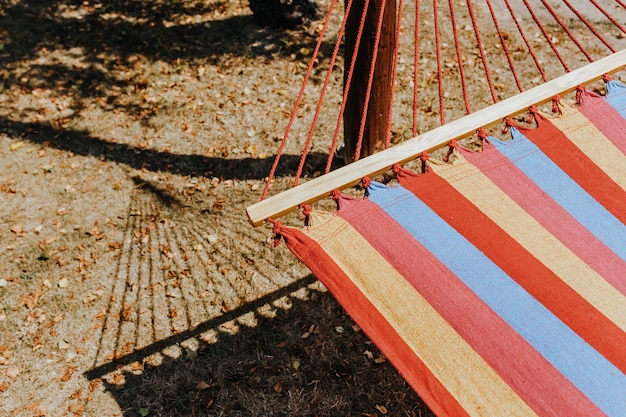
(442, 53)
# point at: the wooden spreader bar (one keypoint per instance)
(349, 175)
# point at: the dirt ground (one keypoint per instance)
(133, 135)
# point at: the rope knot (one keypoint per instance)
(452, 145)
(508, 123)
(306, 211)
(424, 157)
(366, 181)
(555, 103)
(532, 115)
(606, 78)
(278, 226)
(335, 194)
(579, 94)
(482, 134)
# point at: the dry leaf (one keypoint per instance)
(278, 387)
(202, 385)
(4, 386)
(382, 409)
(30, 300)
(18, 229)
(13, 371)
(69, 370)
(118, 379)
(63, 283)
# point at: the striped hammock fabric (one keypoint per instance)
(495, 283)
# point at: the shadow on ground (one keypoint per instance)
(307, 359)
(84, 143)
(196, 325)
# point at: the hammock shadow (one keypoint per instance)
(85, 144)
(190, 330)
(252, 370)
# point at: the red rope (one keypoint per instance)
(416, 58)
(318, 108)
(393, 74)
(347, 85)
(505, 46)
(566, 29)
(531, 51)
(297, 103)
(439, 71)
(546, 35)
(610, 17)
(370, 82)
(481, 48)
(459, 57)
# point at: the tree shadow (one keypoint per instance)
(308, 360)
(157, 30)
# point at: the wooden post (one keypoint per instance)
(378, 107)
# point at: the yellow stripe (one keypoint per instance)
(477, 387)
(522, 227)
(592, 142)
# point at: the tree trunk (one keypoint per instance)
(380, 96)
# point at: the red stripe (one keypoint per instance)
(505, 350)
(410, 366)
(578, 166)
(545, 210)
(584, 319)
(604, 117)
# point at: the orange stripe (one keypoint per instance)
(453, 362)
(592, 142)
(476, 187)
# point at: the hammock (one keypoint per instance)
(494, 281)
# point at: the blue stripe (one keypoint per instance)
(616, 96)
(588, 370)
(526, 156)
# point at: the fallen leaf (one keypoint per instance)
(30, 300)
(118, 379)
(18, 229)
(382, 409)
(202, 385)
(68, 373)
(13, 371)
(4, 386)
(15, 146)
(278, 387)
(63, 283)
